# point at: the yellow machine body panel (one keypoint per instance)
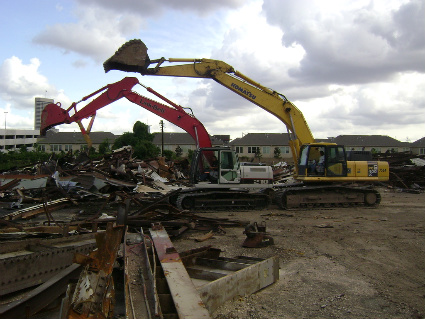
(357, 171)
(368, 170)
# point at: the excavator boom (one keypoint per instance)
(214, 173)
(54, 114)
(221, 72)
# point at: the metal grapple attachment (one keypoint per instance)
(132, 56)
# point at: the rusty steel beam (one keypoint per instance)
(33, 262)
(141, 297)
(94, 294)
(42, 296)
(186, 298)
(37, 209)
(147, 292)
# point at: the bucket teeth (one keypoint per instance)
(132, 56)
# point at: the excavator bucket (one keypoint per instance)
(51, 116)
(132, 56)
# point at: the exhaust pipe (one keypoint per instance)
(132, 56)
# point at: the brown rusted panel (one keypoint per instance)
(185, 296)
(94, 294)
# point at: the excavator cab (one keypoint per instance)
(322, 160)
(215, 166)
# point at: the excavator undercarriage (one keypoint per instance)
(199, 200)
(326, 196)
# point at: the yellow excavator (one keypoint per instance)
(325, 176)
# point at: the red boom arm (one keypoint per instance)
(53, 114)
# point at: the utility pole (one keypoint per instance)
(5, 114)
(161, 124)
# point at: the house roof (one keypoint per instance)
(75, 138)
(255, 139)
(180, 139)
(419, 143)
(368, 140)
(274, 139)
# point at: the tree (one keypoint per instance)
(141, 131)
(258, 154)
(140, 140)
(145, 149)
(190, 155)
(23, 149)
(277, 152)
(179, 151)
(125, 139)
(168, 154)
(104, 147)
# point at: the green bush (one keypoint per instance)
(140, 140)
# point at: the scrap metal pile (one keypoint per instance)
(407, 171)
(66, 226)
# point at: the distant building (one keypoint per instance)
(39, 105)
(246, 147)
(13, 140)
(264, 143)
(72, 141)
(183, 140)
(372, 143)
(418, 147)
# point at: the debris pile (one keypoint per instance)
(54, 214)
(81, 177)
(407, 171)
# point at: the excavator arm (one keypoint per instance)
(132, 57)
(53, 114)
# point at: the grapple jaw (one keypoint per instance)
(132, 56)
(51, 116)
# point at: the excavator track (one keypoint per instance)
(326, 197)
(222, 200)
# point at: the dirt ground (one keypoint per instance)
(335, 263)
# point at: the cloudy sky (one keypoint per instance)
(351, 67)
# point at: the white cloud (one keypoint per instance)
(150, 8)
(10, 118)
(352, 67)
(97, 33)
(353, 42)
(20, 83)
(375, 108)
